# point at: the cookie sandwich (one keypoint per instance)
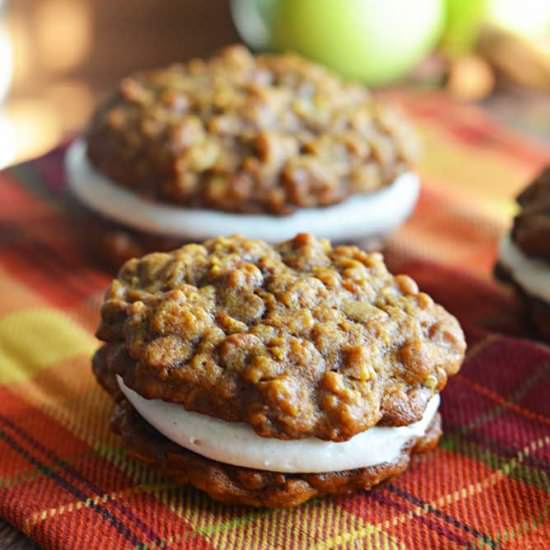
(266, 146)
(524, 253)
(267, 375)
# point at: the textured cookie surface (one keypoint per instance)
(298, 340)
(241, 133)
(244, 486)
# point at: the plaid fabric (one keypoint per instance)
(66, 481)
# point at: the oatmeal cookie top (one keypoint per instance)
(241, 133)
(298, 340)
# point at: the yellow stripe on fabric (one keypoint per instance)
(461, 494)
(525, 527)
(49, 513)
(377, 539)
(240, 529)
(505, 470)
(32, 340)
(230, 524)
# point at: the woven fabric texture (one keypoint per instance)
(66, 481)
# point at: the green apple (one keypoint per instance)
(376, 41)
(462, 25)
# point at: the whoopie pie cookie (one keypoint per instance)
(524, 253)
(266, 146)
(267, 374)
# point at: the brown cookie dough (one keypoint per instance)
(111, 244)
(245, 486)
(531, 235)
(298, 340)
(537, 310)
(531, 230)
(240, 133)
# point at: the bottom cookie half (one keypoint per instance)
(537, 310)
(245, 486)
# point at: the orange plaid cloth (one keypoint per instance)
(66, 481)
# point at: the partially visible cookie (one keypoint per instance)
(531, 229)
(524, 254)
(262, 145)
(251, 134)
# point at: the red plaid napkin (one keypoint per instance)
(66, 482)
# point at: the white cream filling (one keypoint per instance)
(531, 274)
(238, 444)
(360, 217)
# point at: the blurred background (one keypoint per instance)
(57, 57)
